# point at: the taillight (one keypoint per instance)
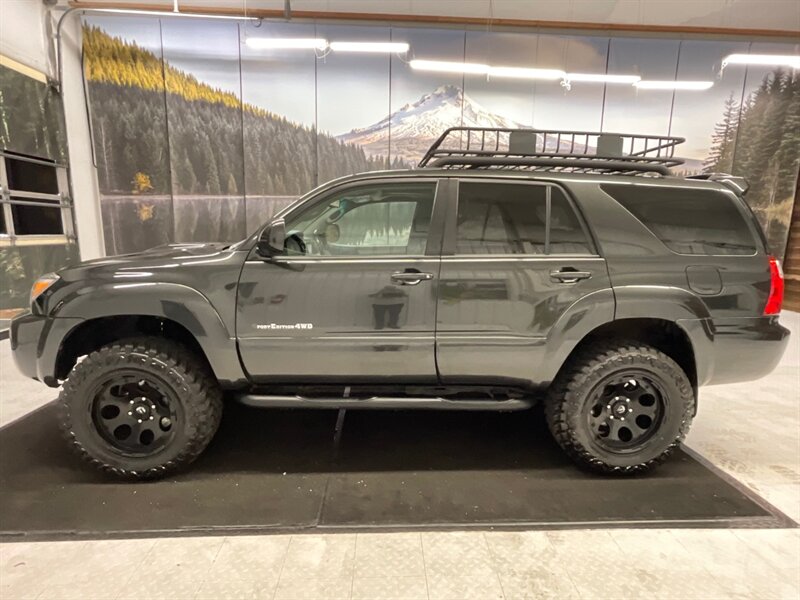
(775, 299)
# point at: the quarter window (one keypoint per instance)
(509, 218)
(688, 220)
(381, 219)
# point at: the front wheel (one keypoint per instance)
(620, 407)
(140, 408)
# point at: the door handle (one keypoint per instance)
(411, 277)
(569, 275)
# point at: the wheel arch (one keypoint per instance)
(665, 335)
(173, 311)
(93, 334)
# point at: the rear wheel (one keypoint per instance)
(620, 407)
(140, 408)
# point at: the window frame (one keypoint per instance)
(451, 229)
(433, 242)
(13, 197)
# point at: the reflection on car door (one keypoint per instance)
(354, 298)
(515, 257)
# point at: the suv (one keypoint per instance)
(512, 266)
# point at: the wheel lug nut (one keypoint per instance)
(630, 410)
(165, 422)
(130, 413)
(139, 420)
(152, 417)
(131, 402)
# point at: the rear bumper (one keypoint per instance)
(35, 342)
(744, 349)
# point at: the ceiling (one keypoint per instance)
(776, 15)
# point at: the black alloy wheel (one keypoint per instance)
(625, 411)
(135, 413)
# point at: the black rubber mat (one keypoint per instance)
(270, 469)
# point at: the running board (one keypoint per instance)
(381, 402)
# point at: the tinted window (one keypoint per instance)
(36, 220)
(372, 220)
(25, 176)
(688, 221)
(507, 218)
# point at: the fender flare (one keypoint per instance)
(602, 307)
(680, 306)
(171, 301)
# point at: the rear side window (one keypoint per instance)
(508, 218)
(688, 221)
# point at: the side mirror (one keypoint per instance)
(273, 240)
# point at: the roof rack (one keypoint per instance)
(552, 150)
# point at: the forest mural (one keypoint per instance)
(31, 124)
(767, 126)
(199, 137)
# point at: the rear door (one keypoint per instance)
(354, 297)
(516, 256)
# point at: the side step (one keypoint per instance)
(384, 402)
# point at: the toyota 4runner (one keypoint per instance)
(512, 266)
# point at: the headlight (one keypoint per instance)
(41, 285)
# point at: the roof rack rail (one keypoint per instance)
(552, 150)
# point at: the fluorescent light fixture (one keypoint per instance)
(673, 85)
(602, 78)
(260, 43)
(386, 47)
(170, 13)
(449, 67)
(778, 60)
(525, 73)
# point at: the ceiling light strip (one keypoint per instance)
(449, 67)
(777, 60)
(602, 78)
(261, 43)
(525, 73)
(673, 85)
(164, 13)
(384, 47)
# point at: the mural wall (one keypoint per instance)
(201, 135)
(32, 125)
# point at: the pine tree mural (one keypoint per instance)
(761, 142)
(723, 140)
(136, 100)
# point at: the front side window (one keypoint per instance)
(510, 218)
(373, 220)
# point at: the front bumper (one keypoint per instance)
(35, 343)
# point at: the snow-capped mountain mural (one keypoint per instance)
(414, 126)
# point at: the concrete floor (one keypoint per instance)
(752, 431)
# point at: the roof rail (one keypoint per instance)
(552, 150)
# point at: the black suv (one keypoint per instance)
(512, 266)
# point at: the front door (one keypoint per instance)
(354, 296)
(516, 256)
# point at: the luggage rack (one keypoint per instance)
(552, 150)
